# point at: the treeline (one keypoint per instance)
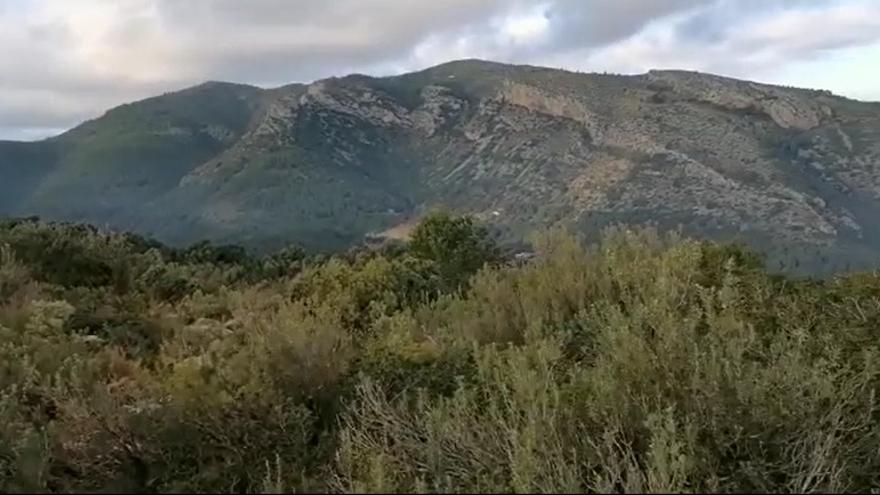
(640, 362)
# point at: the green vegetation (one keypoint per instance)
(108, 169)
(455, 245)
(792, 173)
(645, 362)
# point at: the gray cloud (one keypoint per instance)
(67, 60)
(280, 41)
(711, 22)
(588, 23)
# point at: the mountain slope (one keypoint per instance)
(106, 169)
(22, 167)
(793, 172)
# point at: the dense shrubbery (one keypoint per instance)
(641, 363)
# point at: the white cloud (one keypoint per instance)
(66, 60)
(843, 71)
(745, 43)
(528, 27)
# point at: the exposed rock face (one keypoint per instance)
(438, 107)
(545, 103)
(361, 102)
(789, 110)
(794, 172)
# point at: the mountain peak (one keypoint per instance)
(223, 85)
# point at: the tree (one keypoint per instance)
(205, 252)
(457, 246)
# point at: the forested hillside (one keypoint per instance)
(792, 172)
(634, 362)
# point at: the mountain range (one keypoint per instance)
(792, 172)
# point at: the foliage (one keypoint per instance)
(458, 246)
(646, 362)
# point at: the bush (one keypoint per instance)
(13, 275)
(644, 363)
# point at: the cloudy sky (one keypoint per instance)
(64, 61)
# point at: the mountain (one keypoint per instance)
(791, 171)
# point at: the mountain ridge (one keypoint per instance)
(787, 170)
(464, 61)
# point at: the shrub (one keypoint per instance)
(643, 363)
(13, 275)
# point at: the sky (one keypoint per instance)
(64, 61)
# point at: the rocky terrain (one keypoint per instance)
(793, 172)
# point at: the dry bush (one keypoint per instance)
(643, 363)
